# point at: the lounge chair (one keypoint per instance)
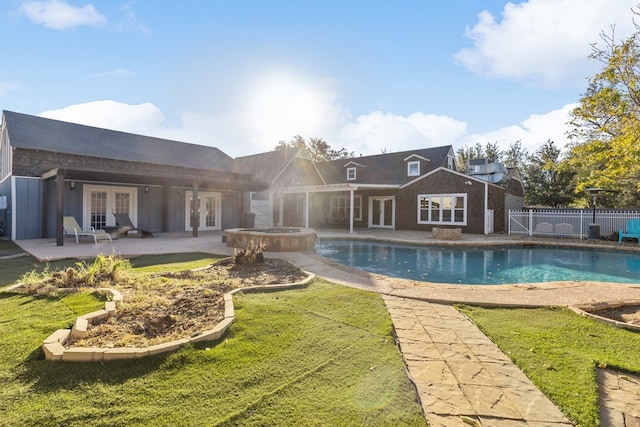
(633, 231)
(71, 227)
(125, 226)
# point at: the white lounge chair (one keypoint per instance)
(71, 227)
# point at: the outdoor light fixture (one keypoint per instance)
(594, 229)
(72, 185)
(146, 189)
(594, 196)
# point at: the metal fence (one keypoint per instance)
(569, 222)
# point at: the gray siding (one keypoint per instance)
(28, 207)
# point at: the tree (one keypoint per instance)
(318, 149)
(605, 145)
(545, 184)
(515, 156)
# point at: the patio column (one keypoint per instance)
(351, 207)
(195, 210)
(59, 207)
(306, 210)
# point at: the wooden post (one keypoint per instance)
(59, 207)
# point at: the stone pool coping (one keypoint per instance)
(55, 349)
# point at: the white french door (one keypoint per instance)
(382, 212)
(208, 206)
(100, 202)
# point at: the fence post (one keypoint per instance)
(530, 222)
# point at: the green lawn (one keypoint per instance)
(560, 350)
(322, 355)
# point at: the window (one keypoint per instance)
(340, 208)
(351, 174)
(5, 156)
(442, 209)
(450, 162)
(413, 169)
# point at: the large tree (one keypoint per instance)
(605, 144)
(318, 149)
(545, 184)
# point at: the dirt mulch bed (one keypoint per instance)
(627, 314)
(182, 304)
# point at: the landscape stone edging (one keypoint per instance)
(587, 310)
(55, 350)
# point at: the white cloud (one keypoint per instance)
(6, 87)
(130, 21)
(59, 15)
(118, 72)
(544, 42)
(533, 132)
(145, 119)
(378, 131)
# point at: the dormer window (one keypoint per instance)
(351, 174)
(413, 168)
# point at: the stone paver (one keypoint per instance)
(457, 381)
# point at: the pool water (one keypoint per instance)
(484, 265)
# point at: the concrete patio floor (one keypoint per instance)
(461, 376)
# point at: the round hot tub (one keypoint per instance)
(275, 239)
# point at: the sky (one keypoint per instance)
(369, 76)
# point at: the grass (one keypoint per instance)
(560, 351)
(323, 355)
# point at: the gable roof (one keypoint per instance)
(37, 133)
(385, 169)
(269, 166)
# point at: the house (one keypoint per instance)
(50, 169)
(280, 170)
(409, 190)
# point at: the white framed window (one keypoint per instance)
(413, 168)
(351, 174)
(442, 209)
(450, 162)
(340, 208)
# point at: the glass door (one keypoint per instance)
(101, 202)
(208, 208)
(382, 212)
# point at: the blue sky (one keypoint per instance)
(370, 76)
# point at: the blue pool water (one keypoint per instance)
(484, 265)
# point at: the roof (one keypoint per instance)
(272, 165)
(386, 168)
(37, 133)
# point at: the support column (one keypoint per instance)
(306, 210)
(195, 210)
(60, 207)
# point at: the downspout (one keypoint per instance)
(486, 206)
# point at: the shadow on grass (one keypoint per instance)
(46, 376)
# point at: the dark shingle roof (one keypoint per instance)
(383, 169)
(37, 133)
(265, 166)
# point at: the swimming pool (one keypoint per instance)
(484, 265)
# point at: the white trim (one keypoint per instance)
(354, 163)
(453, 210)
(355, 174)
(351, 202)
(393, 212)
(14, 214)
(418, 156)
(413, 163)
(202, 195)
(110, 190)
